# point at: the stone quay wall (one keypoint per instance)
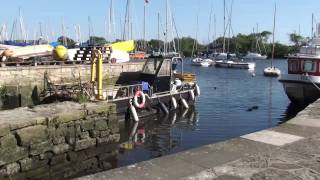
(58, 141)
(34, 75)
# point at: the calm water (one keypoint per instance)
(232, 103)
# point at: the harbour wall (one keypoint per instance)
(58, 141)
(24, 84)
(34, 75)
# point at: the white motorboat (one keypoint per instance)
(302, 83)
(235, 64)
(254, 56)
(201, 62)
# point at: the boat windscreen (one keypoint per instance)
(151, 66)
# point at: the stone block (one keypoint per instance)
(58, 140)
(4, 129)
(40, 148)
(33, 174)
(58, 159)
(94, 133)
(104, 133)
(87, 125)
(101, 125)
(61, 148)
(32, 163)
(84, 135)
(32, 135)
(12, 169)
(84, 144)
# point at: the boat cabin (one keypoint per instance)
(303, 65)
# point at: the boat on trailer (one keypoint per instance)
(154, 89)
(302, 83)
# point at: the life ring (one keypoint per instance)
(135, 99)
(113, 60)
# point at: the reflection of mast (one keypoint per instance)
(224, 26)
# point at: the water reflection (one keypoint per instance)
(291, 112)
(158, 135)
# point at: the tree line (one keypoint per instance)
(240, 44)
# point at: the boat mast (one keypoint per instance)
(159, 32)
(166, 31)
(274, 28)
(144, 24)
(312, 29)
(224, 26)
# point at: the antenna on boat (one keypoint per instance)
(274, 28)
(312, 29)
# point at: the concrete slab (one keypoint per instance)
(272, 137)
(303, 131)
(224, 152)
(310, 122)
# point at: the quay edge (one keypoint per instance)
(288, 151)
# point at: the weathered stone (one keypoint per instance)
(65, 117)
(84, 135)
(46, 155)
(9, 151)
(32, 163)
(41, 171)
(40, 148)
(8, 141)
(4, 129)
(12, 168)
(101, 125)
(109, 139)
(32, 135)
(84, 144)
(23, 124)
(58, 159)
(87, 125)
(61, 148)
(104, 133)
(59, 140)
(94, 133)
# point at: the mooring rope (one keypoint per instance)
(315, 85)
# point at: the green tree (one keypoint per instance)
(66, 41)
(97, 41)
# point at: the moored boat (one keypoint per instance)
(302, 83)
(235, 64)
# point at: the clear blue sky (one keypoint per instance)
(246, 14)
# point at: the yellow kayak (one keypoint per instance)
(126, 46)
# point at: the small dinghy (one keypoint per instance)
(272, 71)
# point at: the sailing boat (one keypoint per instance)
(272, 70)
(255, 55)
(228, 60)
(198, 61)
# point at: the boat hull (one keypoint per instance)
(300, 89)
(235, 65)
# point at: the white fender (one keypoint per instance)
(184, 103)
(164, 108)
(184, 113)
(134, 113)
(174, 118)
(191, 94)
(174, 103)
(197, 90)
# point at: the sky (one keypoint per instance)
(292, 16)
